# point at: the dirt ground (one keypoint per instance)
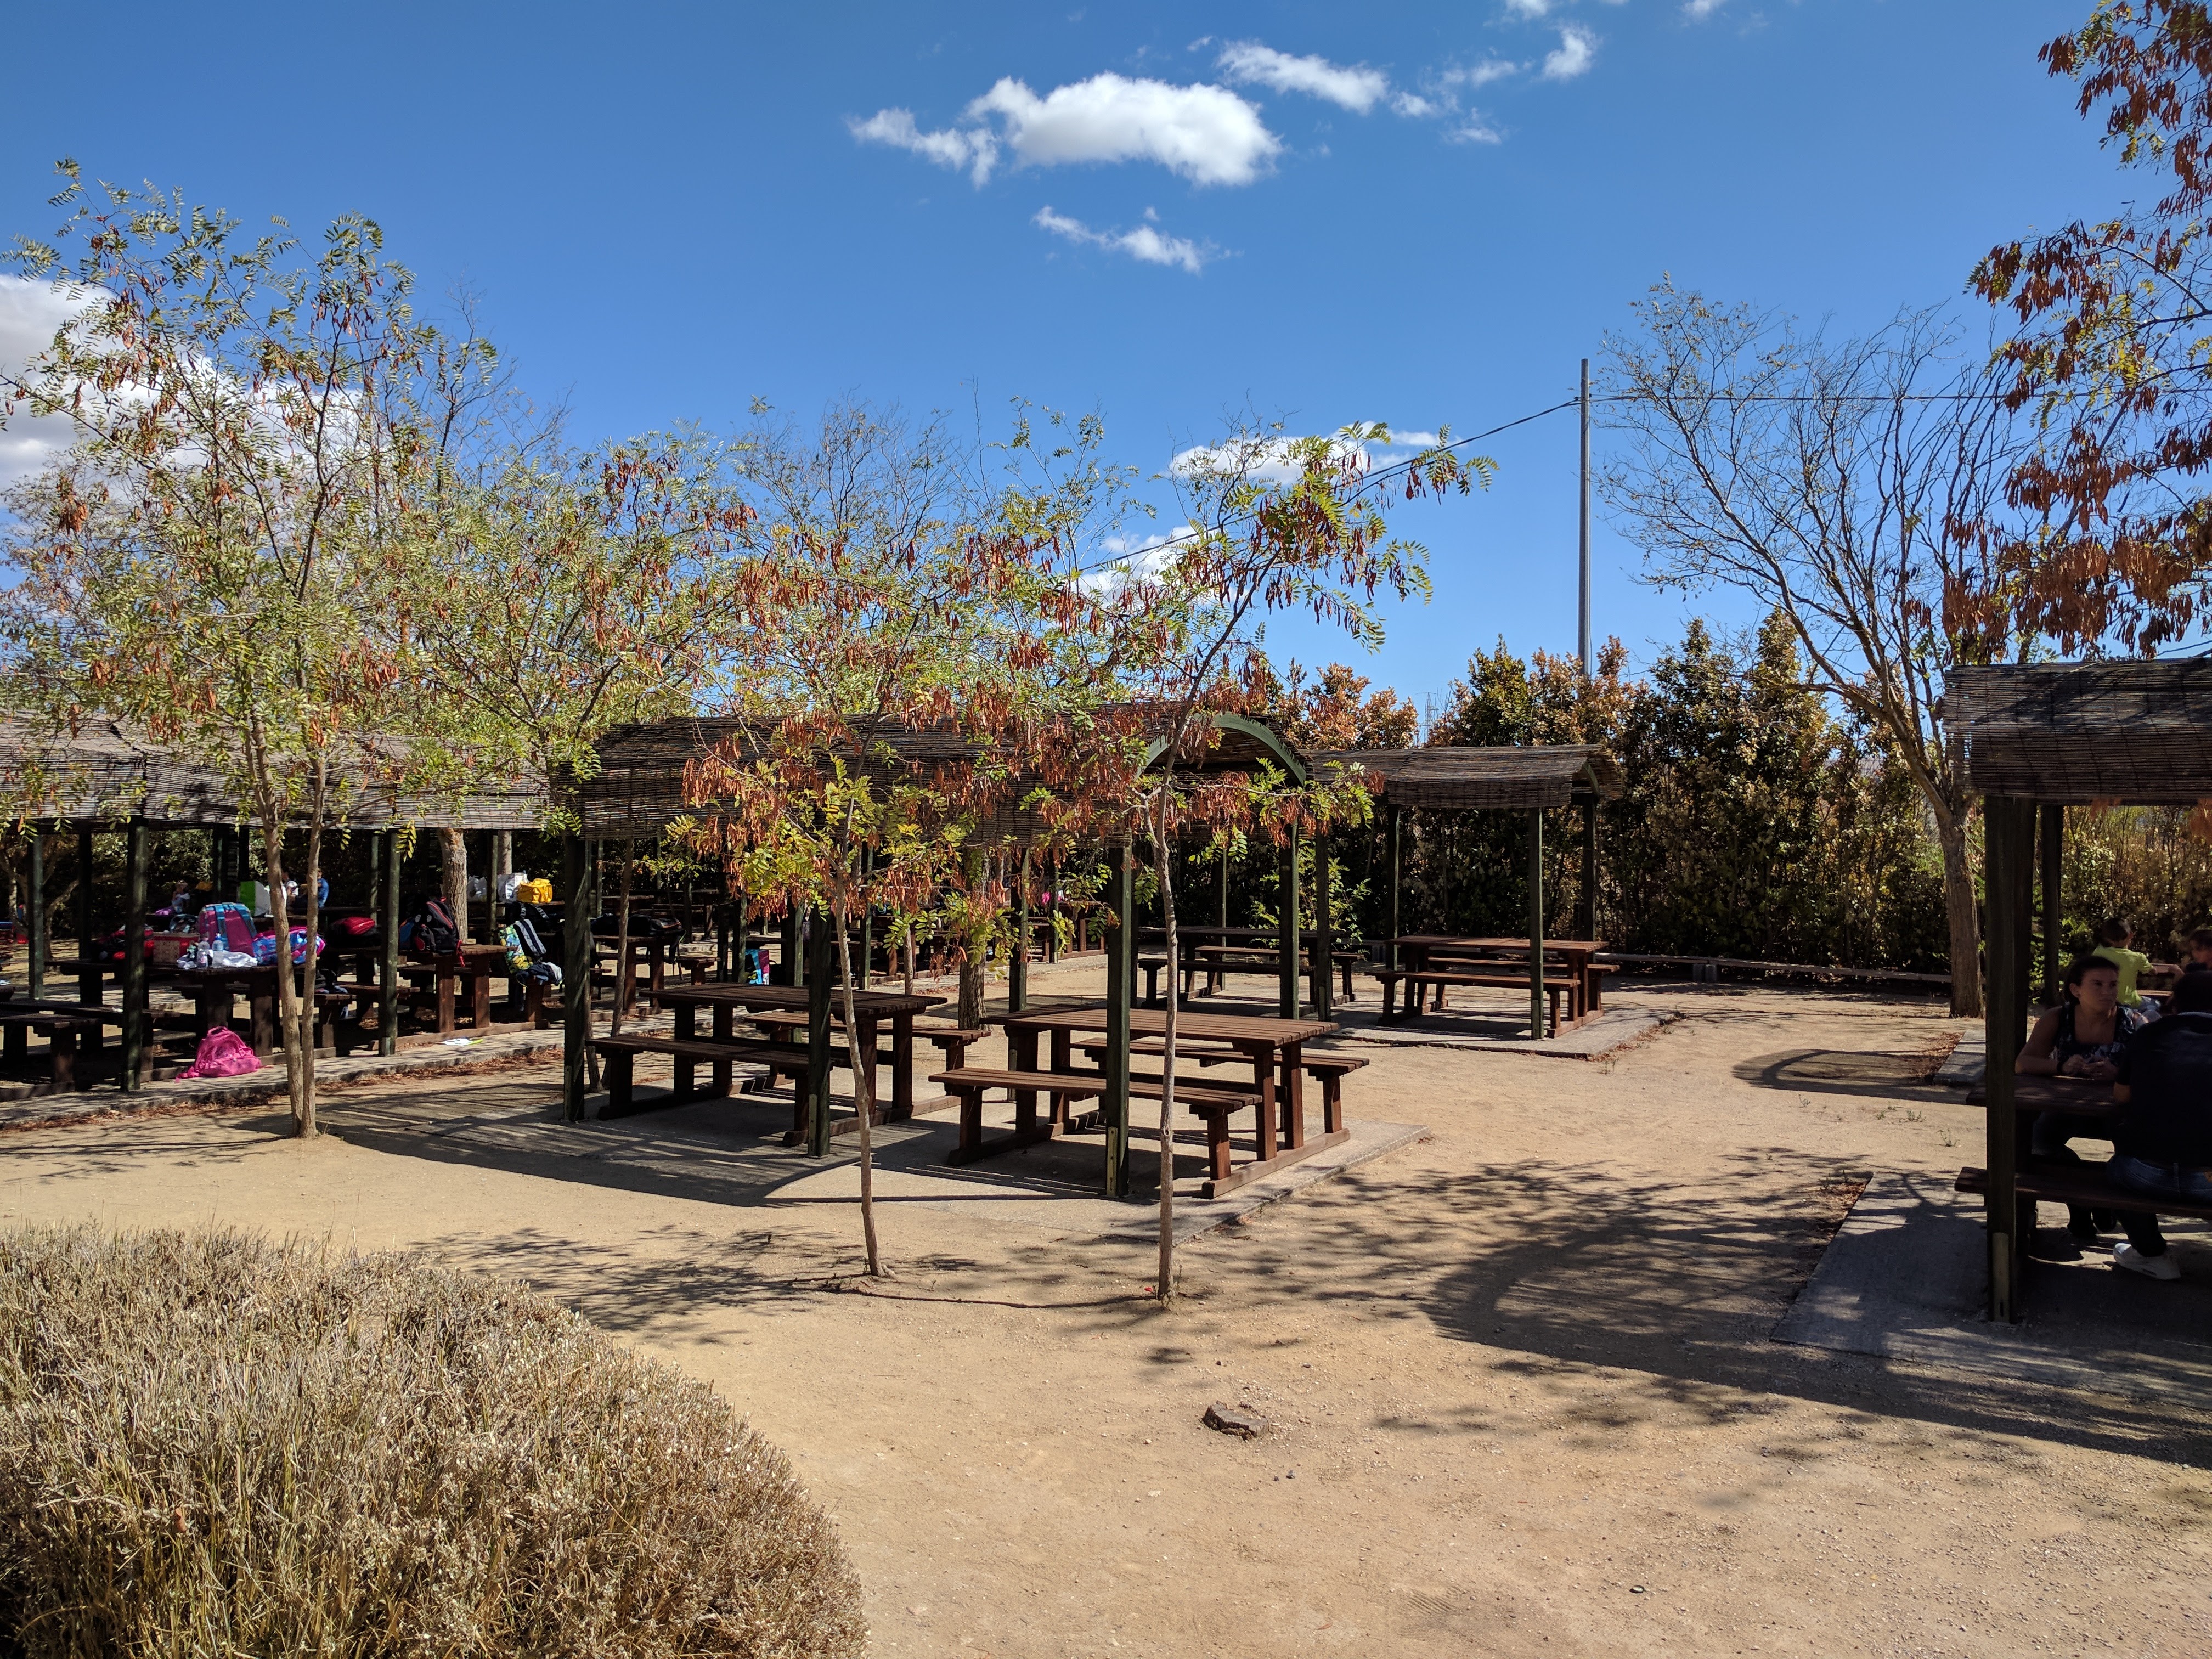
(1525, 1394)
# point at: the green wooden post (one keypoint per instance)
(817, 953)
(1537, 922)
(1287, 930)
(1121, 988)
(868, 923)
(1396, 831)
(387, 946)
(575, 970)
(1324, 995)
(2053, 851)
(1588, 929)
(134, 955)
(1221, 891)
(35, 970)
(1017, 969)
(2008, 830)
(88, 966)
(790, 970)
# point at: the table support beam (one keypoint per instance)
(1121, 986)
(87, 963)
(1393, 922)
(576, 973)
(2053, 852)
(134, 955)
(1324, 956)
(2008, 838)
(818, 936)
(1537, 922)
(1018, 966)
(387, 946)
(1589, 906)
(35, 915)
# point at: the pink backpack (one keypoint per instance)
(222, 1053)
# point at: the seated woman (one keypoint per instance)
(2162, 1145)
(2082, 1037)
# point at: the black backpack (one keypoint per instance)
(433, 934)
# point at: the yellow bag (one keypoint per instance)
(534, 892)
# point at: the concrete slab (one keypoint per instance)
(1967, 1062)
(1905, 1278)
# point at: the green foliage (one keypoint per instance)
(208, 1444)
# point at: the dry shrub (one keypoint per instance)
(212, 1445)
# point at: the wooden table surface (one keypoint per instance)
(794, 996)
(2081, 1097)
(1576, 946)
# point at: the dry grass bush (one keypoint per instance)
(211, 1445)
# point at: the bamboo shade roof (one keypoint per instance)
(2136, 733)
(1456, 778)
(638, 790)
(106, 771)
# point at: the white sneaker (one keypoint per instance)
(2150, 1266)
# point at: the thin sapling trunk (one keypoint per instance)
(1163, 858)
(863, 1084)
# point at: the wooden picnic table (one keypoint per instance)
(2077, 1097)
(1577, 955)
(460, 976)
(214, 992)
(1275, 1048)
(871, 1007)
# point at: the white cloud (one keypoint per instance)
(1699, 10)
(1529, 7)
(974, 148)
(1207, 134)
(1260, 460)
(1476, 130)
(1353, 86)
(1578, 48)
(1152, 246)
(30, 312)
(1489, 69)
(1412, 105)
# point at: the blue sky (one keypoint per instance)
(668, 210)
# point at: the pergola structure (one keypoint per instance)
(638, 790)
(2043, 737)
(1452, 779)
(106, 773)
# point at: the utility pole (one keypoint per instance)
(1582, 627)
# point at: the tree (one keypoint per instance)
(1829, 480)
(2113, 358)
(1272, 523)
(216, 561)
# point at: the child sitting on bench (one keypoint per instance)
(2162, 1144)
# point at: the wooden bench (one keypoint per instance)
(61, 1031)
(2084, 1186)
(620, 1053)
(1215, 960)
(966, 1084)
(1328, 1070)
(1213, 1104)
(1553, 988)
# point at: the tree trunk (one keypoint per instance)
(1964, 923)
(970, 1014)
(311, 904)
(454, 853)
(863, 1091)
(297, 1058)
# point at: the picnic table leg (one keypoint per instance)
(686, 1028)
(902, 1065)
(971, 1118)
(1063, 1060)
(725, 1077)
(1263, 1065)
(480, 1000)
(18, 1043)
(261, 1005)
(1294, 1096)
(61, 1047)
(448, 983)
(1022, 1046)
(621, 1081)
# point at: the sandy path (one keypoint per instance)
(1520, 1369)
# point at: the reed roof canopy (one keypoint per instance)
(1455, 779)
(2133, 733)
